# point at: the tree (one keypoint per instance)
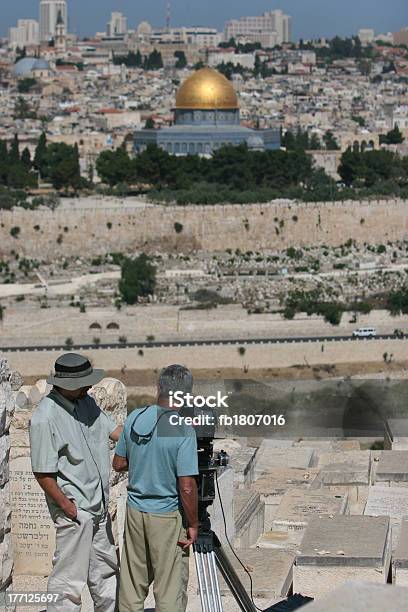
(62, 165)
(138, 278)
(25, 85)
(154, 61)
(149, 125)
(26, 158)
(397, 302)
(394, 136)
(330, 141)
(181, 59)
(114, 166)
(315, 143)
(40, 153)
(14, 153)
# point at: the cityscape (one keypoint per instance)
(233, 199)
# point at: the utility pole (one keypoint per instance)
(168, 17)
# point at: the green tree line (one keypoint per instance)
(57, 163)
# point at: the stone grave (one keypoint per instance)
(271, 572)
(388, 501)
(242, 462)
(335, 550)
(396, 434)
(297, 506)
(392, 468)
(249, 517)
(32, 530)
(269, 457)
(361, 597)
(273, 486)
(400, 558)
(346, 470)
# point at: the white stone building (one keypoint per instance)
(26, 33)
(49, 11)
(271, 28)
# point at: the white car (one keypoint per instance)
(365, 332)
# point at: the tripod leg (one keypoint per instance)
(234, 583)
(216, 585)
(200, 576)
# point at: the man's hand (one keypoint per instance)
(192, 535)
(70, 509)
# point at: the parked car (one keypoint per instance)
(365, 332)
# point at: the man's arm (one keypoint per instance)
(115, 435)
(48, 483)
(120, 464)
(189, 500)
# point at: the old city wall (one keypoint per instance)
(257, 356)
(90, 226)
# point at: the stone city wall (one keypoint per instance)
(95, 226)
(256, 356)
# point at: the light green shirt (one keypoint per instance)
(71, 440)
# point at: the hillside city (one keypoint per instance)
(234, 200)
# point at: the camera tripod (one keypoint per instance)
(208, 552)
(209, 556)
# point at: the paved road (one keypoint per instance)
(179, 343)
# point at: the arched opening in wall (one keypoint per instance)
(363, 146)
(371, 145)
(356, 146)
(95, 326)
(113, 325)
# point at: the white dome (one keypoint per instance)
(144, 27)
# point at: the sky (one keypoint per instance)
(311, 18)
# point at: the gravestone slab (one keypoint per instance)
(271, 572)
(249, 517)
(345, 468)
(400, 558)
(32, 529)
(335, 550)
(268, 458)
(242, 462)
(280, 540)
(361, 597)
(297, 506)
(274, 485)
(388, 501)
(396, 434)
(392, 466)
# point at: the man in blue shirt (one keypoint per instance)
(161, 457)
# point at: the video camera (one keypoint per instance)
(208, 464)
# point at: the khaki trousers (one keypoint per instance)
(151, 554)
(85, 554)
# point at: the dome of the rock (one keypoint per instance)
(206, 89)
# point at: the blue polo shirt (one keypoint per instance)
(156, 460)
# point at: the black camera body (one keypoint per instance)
(208, 464)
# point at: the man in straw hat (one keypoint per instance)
(69, 439)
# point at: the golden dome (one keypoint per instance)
(206, 89)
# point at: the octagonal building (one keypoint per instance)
(206, 117)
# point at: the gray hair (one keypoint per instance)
(175, 378)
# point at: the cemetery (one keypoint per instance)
(326, 518)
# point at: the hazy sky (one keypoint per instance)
(311, 18)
